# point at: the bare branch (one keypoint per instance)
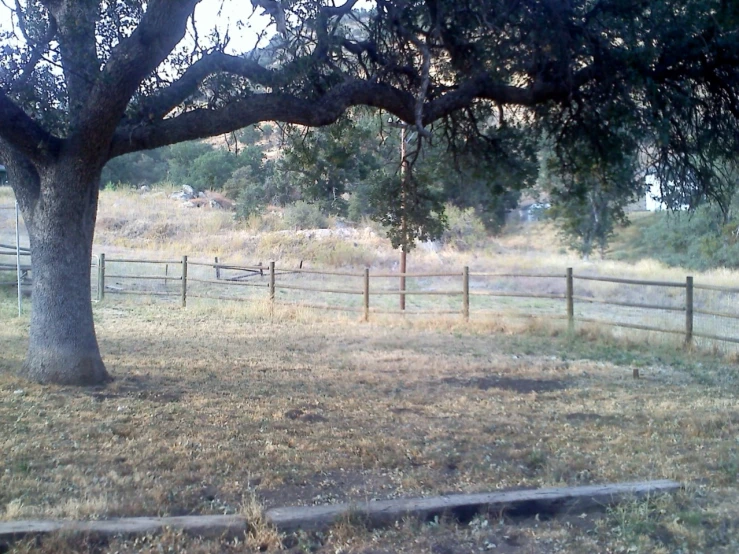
(37, 51)
(339, 11)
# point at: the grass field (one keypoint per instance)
(226, 407)
(216, 408)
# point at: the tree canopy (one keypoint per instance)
(641, 86)
(621, 74)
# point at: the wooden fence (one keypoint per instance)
(8, 263)
(187, 274)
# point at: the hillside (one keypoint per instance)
(154, 225)
(697, 241)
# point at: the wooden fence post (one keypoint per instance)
(166, 274)
(101, 277)
(688, 310)
(366, 293)
(272, 282)
(466, 293)
(218, 270)
(403, 267)
(184, 281)
(570, 302)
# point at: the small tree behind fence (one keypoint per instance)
(681, 308)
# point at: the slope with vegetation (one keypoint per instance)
(700, 240)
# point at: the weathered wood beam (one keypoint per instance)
(550, 502)
(464, 506)
(205, 526)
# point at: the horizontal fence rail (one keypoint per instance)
(629, 281)
(553, 296)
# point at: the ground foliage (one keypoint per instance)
(296, 412)
(699, 240)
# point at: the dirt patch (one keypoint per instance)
(306, 417)
(329, 487)
(514, 384)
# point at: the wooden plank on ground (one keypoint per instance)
(463, 506)
(205, 526)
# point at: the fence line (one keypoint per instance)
(540, 275)
(132, 261)
(629, 304)
(714, 288)
(630, 281)
(630, 325)
(411, 275)
(517, 294)
(275, 277)
(716, 314)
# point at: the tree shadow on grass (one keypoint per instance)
(158, 389)
(517, 385)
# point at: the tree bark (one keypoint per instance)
(63, 347)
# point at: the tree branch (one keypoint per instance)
(202, 123)
(285, 108)
(339, 11)
(76, 22)
(37, 53)
(24, 134)
(163, 102)
(23, 177)
(484, 87)
(161, 28)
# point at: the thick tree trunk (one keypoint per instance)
(63, 348)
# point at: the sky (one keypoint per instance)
(236, 17)
(221, 14)
(225, 15)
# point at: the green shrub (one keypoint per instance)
(248, 191)
(464, 229)
(302, 215)
(700, 240)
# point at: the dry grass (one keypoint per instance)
(212, 404)
(155, 225)
(225, 408)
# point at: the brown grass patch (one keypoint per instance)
(211, 404)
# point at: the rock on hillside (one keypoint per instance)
(209, 199)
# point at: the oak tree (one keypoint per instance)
(85, 81)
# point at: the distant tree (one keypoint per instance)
(252, 134)
(136, 169)
(409, 205)
(701, 239)
(588, 195)
(329, 163)
(181, 159)
(488, 171)
(211, 170)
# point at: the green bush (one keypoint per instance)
(700, 240)
(302, 215)
(248, 191)
(464, 229)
